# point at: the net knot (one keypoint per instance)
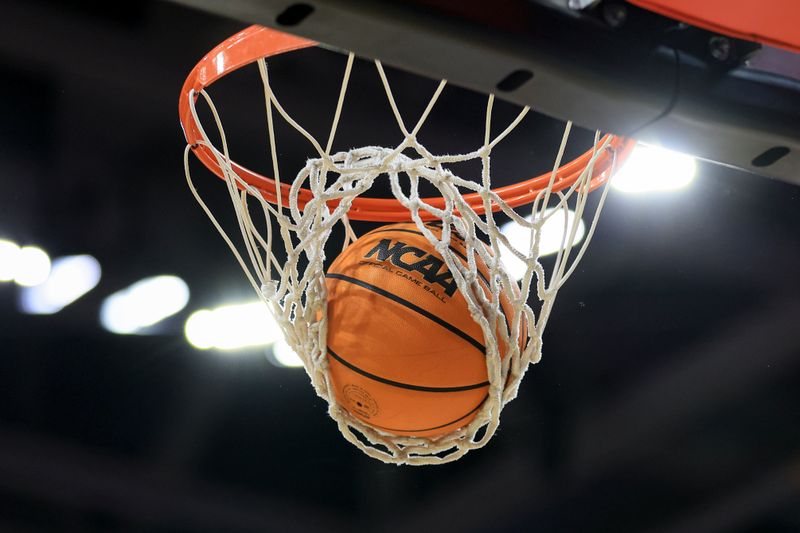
(269, 289)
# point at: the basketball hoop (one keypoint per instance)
(257, 42)
(329, 191)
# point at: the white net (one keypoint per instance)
(295, 290)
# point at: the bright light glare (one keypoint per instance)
(32, 266)
(285, 356)
(232, 327)
(550, 242)
(70, 278)
(652, 169)
(144, 304)
(9, 257)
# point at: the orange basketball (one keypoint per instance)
(405, 355)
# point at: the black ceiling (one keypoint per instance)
(668, 398)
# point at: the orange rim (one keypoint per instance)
(772, 22)
(258, 42)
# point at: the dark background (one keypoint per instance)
(668, 398)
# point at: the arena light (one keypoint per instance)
(70, 278)
(654, 169)
(32, 266)
(143, 304)
(552, 238)
(9, 257)
(284, 355)
(232, 327)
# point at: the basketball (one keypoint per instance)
(405, 356)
